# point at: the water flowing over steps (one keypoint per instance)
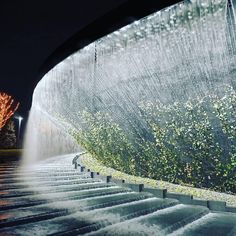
(52, 198)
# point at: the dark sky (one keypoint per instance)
(31, 30)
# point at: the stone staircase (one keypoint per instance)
(53, 198)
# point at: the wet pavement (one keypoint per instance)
(52, 198)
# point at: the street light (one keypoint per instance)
(19, 118)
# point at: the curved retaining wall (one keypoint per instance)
(155, 98)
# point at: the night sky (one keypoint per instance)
(31, 31)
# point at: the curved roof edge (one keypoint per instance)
(125, 14)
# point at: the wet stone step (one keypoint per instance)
(55, 199)
(148, 205)
(84, 222)
(47, 227)
(16, 172)
(218, 224)
(39, 175)
(8, 204)
(32, 179)
(20, 171)
(48, 170)
(7, 168)
(162, 221)
(38, 190)
(6, 162)
(47, 183)
(71, 207)
(55, 195)
(120, 213)
(44, 215)
(7, 194)
(68, 187)
(20, 202)
(111, 200)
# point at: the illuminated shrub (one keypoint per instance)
(192, 143)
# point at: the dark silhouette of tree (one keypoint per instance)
(8, 135)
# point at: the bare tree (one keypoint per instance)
(7, 108)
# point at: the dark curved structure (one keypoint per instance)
(36, 36)
(154, 90)
(126, 13)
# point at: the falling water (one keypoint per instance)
(102, 97)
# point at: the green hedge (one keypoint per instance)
(192, 143)
(10, 152)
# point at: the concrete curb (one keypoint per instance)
(183, 198)
(160, 193)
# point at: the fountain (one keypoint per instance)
(155, 98)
